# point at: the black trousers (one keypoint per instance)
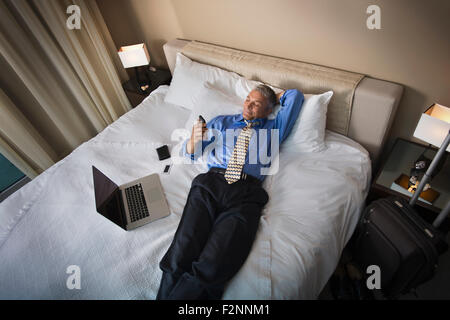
(214, 237)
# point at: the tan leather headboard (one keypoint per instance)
(285, 74)
(361, 108)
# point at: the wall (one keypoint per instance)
(135, 21)
(411, 48)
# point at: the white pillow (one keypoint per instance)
(189, 76)
(308, 132)
(211, 102)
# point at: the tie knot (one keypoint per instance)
(250, 124)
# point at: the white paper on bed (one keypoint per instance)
(51, 223)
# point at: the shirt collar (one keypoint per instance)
(240, 118)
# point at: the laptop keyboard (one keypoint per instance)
(136, 202)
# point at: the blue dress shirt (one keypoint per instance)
(223, 132)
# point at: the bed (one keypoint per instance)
(315, 201)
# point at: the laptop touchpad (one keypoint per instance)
(154, 194)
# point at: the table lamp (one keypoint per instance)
(434, 128)
(135, 56)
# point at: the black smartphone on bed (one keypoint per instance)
(167, 169)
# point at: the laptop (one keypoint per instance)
(130, 205)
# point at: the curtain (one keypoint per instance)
(59, 87)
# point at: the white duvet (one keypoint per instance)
(52, 223)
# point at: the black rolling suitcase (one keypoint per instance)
(392, 236)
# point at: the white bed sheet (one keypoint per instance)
(51, 223)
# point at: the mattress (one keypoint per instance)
(51, 224)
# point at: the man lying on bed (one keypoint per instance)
(224, 205)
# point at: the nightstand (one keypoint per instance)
(400, 161)
(157, 78)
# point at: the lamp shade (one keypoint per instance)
(134, 55)
(434, 125)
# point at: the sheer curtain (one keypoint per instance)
(59, 87)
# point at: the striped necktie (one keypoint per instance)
(236, 163)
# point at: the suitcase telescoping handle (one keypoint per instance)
(444, 213)
(441, 217)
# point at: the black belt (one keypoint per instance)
(244, 176)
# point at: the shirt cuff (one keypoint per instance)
(192, 156)
(283, 97)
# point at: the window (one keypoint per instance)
(11, 178)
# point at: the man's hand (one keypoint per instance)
(198, 131)
(279, 95)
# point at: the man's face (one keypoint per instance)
(255, 106)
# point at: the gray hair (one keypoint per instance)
(268, 93)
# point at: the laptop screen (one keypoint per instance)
(107, 198)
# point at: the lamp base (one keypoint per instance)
(143, 83)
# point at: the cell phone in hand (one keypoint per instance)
(200, 118)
